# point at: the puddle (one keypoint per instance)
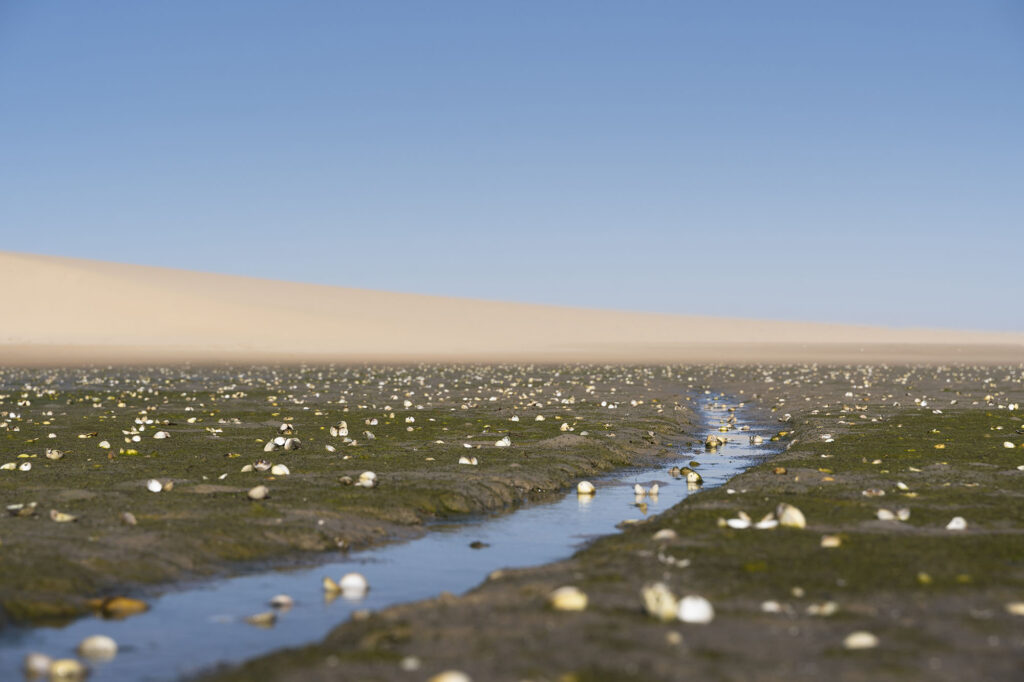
(190, 630)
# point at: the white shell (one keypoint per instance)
(504, 442)
(353, 585)
(37, 665)
(957, 523)
(280, 470)
(154, 486)
(367, 479)
(568, 598)
(260, 492)
(659, 601)
(585, 488)
(451, 676)
(98, 648)
(696, 609)
(860, 640)
(281, 601)
(790, 517)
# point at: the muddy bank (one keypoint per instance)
(863, 441)
(409, 425)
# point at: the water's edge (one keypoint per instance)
(203, 625)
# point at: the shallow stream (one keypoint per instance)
(192, 629)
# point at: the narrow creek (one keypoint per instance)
(192, 629)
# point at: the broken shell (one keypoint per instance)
(860, 640)
(260, 492)
(280, 470)
(585, 488)
(330, 587)
(957, 523)
(692, 476)
(61, 517)
(789, 516)
(659, 601)
(53, 454)
(97, 648)
(292, 444)
(568, 598)
(154, 486)
(504, 442)
(696, 609)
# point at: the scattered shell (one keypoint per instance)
(585, 488)
(280, 470)
(738, 523)
(154, 486)
(292, 444)
(160, 435)
(831, 541)
(957, 523)
(61, 517)
(367, 479)
(25, 466)
(260, 492)
(22, 509)
(37, 665)
(128, 519)
(885, 515)
(1015, 608)
(659, 601)
(468, 460)
(67, 669)
(504, 442)
(282, 602)
(665, 534)
(639, 490)
(262, 620)
(122, 607)
(98, 648)
(1008, 444)
(330, 587)
(696, 609)
(691, 475)
(568, 598)
(789, 516)
(860, 639)
(53, 454)
(353, 585)
(451, 676)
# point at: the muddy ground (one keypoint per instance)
(218, 421)
(862, 441)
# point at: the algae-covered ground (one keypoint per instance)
(879, 460)
(409, 425)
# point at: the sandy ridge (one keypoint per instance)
(71, 311)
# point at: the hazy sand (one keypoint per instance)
(60, 311)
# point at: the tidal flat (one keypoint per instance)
(878, 583)
(154, 465)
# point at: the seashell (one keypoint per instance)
(261, 465)
(67, 669)
(279, 441)
(565, 427)
(767, 522)
(696, 609)
(885, 515)
(468, 460)
(61, 517)
(154, 486)
(262, 620)
(330, 587)
(1008, 444)
(292, 444)
(654, 490)
(25, 466)
(585, 488)
(639, 490)
(9, 466)
(246, 469)
(659, 602)
(957, 523)
(104, 444)
(1015, 608)
(270, 446)
(160, 435)
(330, 448)
(665, 534)
(260, 492)
(345, 480)
(280, 470)
(22, 509)
(873, 492)
(451, 676)
(97, 648)
(353, 585)
(504, 442)
(168, 486)
(675, 472)
(738, 524)
(367, 479)
(122, 607)
(824, 609)
(789, 516)
(831, 541)
(36, 665)
(692, 476)
(903, 514)
(53, 454)
(568, 598)
(860, 639)
(285, 428)
(771, 606)
(757, 440)
(282, 602)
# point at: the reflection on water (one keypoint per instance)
(191, 629)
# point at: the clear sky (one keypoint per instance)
(832, 161)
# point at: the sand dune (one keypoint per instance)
(71, 311)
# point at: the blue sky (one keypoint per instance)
(832, 161)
